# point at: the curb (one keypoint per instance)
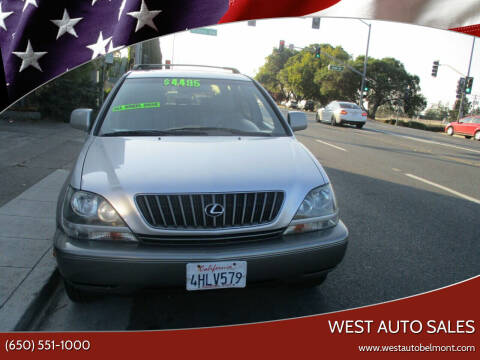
(37, 307)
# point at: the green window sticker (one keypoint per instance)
(146, 105)
(181, 82)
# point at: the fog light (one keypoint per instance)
(112, 236)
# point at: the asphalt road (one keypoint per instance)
(411, 201)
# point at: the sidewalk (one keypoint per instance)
(27, 225)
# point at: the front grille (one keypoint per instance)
(187, 211)
(202, 240)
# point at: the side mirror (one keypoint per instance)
(81, 119)
(297, 120)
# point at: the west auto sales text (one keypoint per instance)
(402, 326)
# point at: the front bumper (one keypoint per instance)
(111, 266)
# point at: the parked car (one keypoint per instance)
(468, 126)
(292, 104)
(341, 112)
(309, 105)
(193, 179)
(306, 105)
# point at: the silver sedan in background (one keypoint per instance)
(340, 112)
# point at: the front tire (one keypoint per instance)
(450, 131)
(477, 136)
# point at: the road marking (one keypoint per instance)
(334, 146)
(427, 141)
(397, 170)
(466, 197)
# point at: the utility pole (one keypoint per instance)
(173, 48)
(362, 87)
(460, 108)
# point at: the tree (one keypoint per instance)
(308, 77)
(467, 108)
(302, 75)
(390, 85)
(475, 111)
(437, 112)
(297, 75)
(335, 85)
(77, 88)
(268, 73)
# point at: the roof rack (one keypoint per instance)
(167, 66)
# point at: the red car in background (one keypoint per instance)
(468, 126)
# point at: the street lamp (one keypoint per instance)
(362, 87)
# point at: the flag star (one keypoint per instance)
(3, 16)
(99, 47)
(66, 24)
(144, 17)
(32, 2)
(122, 7)
(29, 57)
(111, 48)
(94, 1)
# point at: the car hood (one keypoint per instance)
(118, 168)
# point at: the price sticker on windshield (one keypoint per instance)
(144, 105)
(181, 82)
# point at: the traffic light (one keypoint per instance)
(435, 66)
(318, 52)
(468, 87)
(315, 23)
(366, 87)
(282, 45)
(460, 87)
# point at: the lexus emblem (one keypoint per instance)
(214, 210)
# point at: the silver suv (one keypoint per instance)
(193, 179)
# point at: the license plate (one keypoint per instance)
(216, 275)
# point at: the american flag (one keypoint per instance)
(41, 39)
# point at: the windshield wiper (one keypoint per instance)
(172, 132)
(219, 129)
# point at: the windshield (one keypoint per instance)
(349, 106)
(189, 107)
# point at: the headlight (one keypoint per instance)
(89, 216)
(318, 211)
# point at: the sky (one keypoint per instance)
(246, 47)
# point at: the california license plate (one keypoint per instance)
(216, 275)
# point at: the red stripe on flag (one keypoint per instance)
(258, 9)
(471, 30)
